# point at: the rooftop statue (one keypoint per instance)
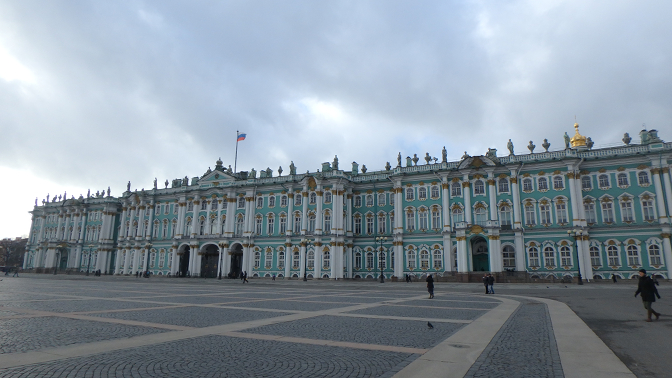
(465, 156)
(415, 159)
(589, 143)
(546, 145)
(166, 183)
(292, 168)
(399, 160)
(510, 147)
(444, 155)
(388, 166)
(427, 157)
(155, 179)
(566, 141)
(128, 187)
(335, 164)
(280, 170)
(88, 193)
(531, 147)
(108, 191)
(363, 168)
(253, 173)
(626, 139)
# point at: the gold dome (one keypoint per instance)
(578, 140)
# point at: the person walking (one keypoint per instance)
(16, 272)
(485, 283)
(649, 293)
(491, 283)
(245, 277)
(273, 278)
(430, 285)
(613, 278)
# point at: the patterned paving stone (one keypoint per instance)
(402, 333)
(458, 304)
(21, 335)
(418, 312)
(192, 316)
(219, 356)
(194, 299)
(70, 305)
(291, 305)
(523, 348)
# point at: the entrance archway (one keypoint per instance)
(209, 261)
(236, 261)
(184, 261)
(63, 261)
(479, 254)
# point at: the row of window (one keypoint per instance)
(622, 179)
(597, 259)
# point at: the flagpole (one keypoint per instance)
(235, 162)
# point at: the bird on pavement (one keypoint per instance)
(429, 325)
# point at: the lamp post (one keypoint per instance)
(148, 246)
(88, 266)
(305, 243)
(219, 264)
(576, 233)
(381, 240)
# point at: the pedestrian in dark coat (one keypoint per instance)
(613, 278)
(485, 283)
(491, 283)
(245, 277)
(430, 286)
(649, 293)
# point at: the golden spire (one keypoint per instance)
(578, 140)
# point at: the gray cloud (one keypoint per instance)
(133, 90)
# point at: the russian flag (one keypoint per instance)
(241, 137)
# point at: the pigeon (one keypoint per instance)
(429, 325)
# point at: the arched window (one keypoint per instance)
(435, 191)
(283, 224)
(533, 256)
(295, 260)
(436, 218)
(311, 223)
(381, 199)
(358, 201)
(326, 260)
(190, 206)
(369, 200)
(424, 259)
(311, 259)
(627, 213)
(201, 226)
(370, 261)
(392, 259)
(260, 202)
(270, 225)
(381, 223)
(327, 196)
(213, 225)
(527, 185)
(297, 223)
(643, 178)
(542, 183)
(648, 212)
(612, 255)
(298, 198)
(458, 215)
(215, 204)
(633, 255)
(480, 216)
(545, 213)
(327, 222)
(223, 223)
(187, 230)
(410, 220)
(155, 229)
(422, 193)
(240, 221)
(409, 194)
(561, 212)
(410, 259)
(603, 181)
(268, 260)
(503, 185)
(204, 205)
(312, 198)
(257, 260)
(438, 259)
(164, 229)
(479, 187)
(509, 257)
(283, 201)
(241, 202)
(358, 260)
(586, 183)
(392, 199)
(623, 179)
(565, 256)
(558, 183)
(271, 201)
(530, 214)
(173, 228)
(152, 259)
(505, 215)
(607, 212)
(595, 259)
(456, 189)
(654, 255)
(422, 220)
(549, 257)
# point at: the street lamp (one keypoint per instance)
(576, 233)
(381, 240)
(305, 243)
(88, 266)
(148, 246)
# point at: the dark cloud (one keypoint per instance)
(132, 90)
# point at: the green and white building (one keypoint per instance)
(547, 213)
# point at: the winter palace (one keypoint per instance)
(548, 214)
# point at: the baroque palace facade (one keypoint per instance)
(550, 214)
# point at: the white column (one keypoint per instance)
(288, 259)
(136, 261)
(575, 199)
(348, 214)
(60, 224)
(668, 189)
(73, 235)
(304, 215)
(399, 257)
(585, 247)
(447, 252)
(141, 220)
(466, 192)
(317, 267)
(181, 212)
(176, 261)
(462, 256)
(660, 200)
(230, 215)
(127, 262)
(667, 253)
(334, 254)
(318, 212)
(66, 233)
(493, 196)
(131, 219)
(516, 206)
(117, 262)
(398, 212)
(445, 202)
(290, 213)
(150, 228)
(246, 258)
(195, 221)
(302, 260)
(220, 204)
(43, 221)
(520, 251)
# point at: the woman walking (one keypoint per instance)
(430, 286)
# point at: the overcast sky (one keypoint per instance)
(96, 93)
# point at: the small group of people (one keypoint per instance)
(16, 271)
(139, 274)
(489, 283)
(409, 278)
